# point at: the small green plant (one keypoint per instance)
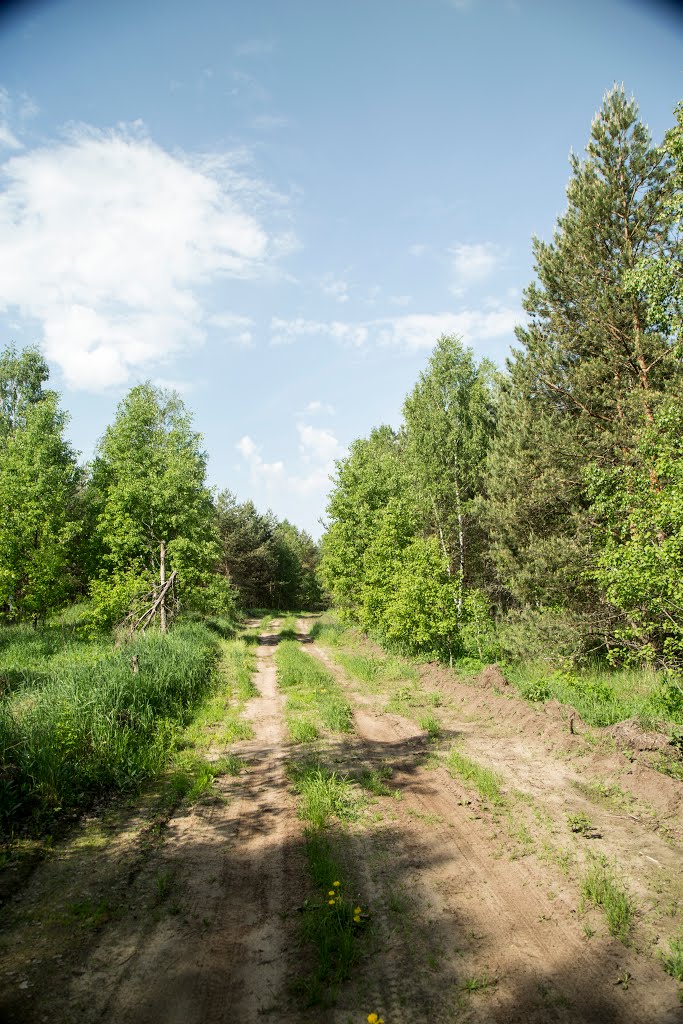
(374, 780)
(602, 888)
(537, 692)
(164, 883)
(673, 961)
(431, 725)
(486, 782)
(580, 823)
(478, 983)
(323, 793)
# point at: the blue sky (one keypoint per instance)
(277, 208)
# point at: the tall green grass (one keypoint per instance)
(83, 721)
(603, 696)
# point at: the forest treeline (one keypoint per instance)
(538, 511)
(69, 531)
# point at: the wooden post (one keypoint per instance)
(162, 581)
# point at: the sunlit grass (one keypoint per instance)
(487, 783)
(604, 889)
(314, 698)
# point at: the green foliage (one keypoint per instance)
(487, 783)
(660, 276)
(90, 724)
(148, 487)
(673, 961)
(639, 510)
(588, 375)
(272, 564)
(38, 493)
(314, 699)
(603, 888)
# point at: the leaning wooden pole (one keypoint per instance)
(162, 582)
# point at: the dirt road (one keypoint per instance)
(475, 911)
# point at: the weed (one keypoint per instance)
(89, 913)
(323, 793)
(431, 725)
(80, 721)
(374, 780)
(164, 884)
(301, 731)
(673, 962)
(478, 983)
(580, 823)
(485, 781)
(601, 887)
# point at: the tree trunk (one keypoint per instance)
(162, 581)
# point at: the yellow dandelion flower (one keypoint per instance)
(357, 910)
(373, 1018)
(356, 919)
(331, 902)
(336, 884)
(331, 892)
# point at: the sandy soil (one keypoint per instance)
(144, 916)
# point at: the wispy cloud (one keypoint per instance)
(418, 249)
(234, 327)
(473, 264)
(254, 48)
(109, 241)
(284, 332)
(411, 332)
(267, 122)
(316, 406)
(267, 472)
(335, 287)
(318, 450)
(8, 138)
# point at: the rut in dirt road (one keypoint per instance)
(239, 865)
(508, 925)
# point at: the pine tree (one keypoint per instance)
(589, 374)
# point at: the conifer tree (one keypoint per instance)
(589, 374)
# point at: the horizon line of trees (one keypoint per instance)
(538, 511)
(98, 531)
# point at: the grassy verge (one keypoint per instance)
(333, 922)
(602, 696)
(80, 720)
(314, 699)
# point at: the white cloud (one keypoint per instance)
(318, 450)
(284, 332)
(269, 121)
(335, 288)
(411, 332)
(316, 406)
(318, 445)
(473, 264)
(236, 328)
(106, 239)
(266, 472)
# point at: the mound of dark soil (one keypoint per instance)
(492, 678)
